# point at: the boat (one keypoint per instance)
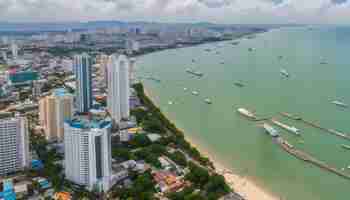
(284, 73)
(208, 101)
(339, 103)
(193, 60)
(270, 130)
(250, 49)
(246, 113)
(345, 146)
(170, 103)
(239, 84)
(280, 57)
(185, 89)
(288, 128)
(323, 63)
(235, 43)
(195, 93)
(208, 50)
(196, 73)
(222, 63)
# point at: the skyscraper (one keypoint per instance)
(4, 55)
(113, 96)
(124, 86)
(53, 110)
(14, 145)
(14, 50)
(82, 67)
(118, 87)
(87, 144)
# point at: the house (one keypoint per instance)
(62, 196)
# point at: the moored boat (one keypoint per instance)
(270, 130)
(246, 113)
(341, 104)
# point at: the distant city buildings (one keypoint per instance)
(87, 144)
(14, 145)
(82, 68)
(118, 87)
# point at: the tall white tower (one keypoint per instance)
(14, 145)
(87, 145)
(113, 98)
(14, 50)
(118, 87)
(124, 84)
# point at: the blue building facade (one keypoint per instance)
(82, 66)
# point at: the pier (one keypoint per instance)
(308, 158)
(315, 125)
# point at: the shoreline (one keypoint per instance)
(244, 186)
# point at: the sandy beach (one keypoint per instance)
(242, 185)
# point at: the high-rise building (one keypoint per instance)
(132, 70)
(124, 85)
(14, 145)
(87, 144)
(118, 87)
(14, 50)
(53, 111)
(82, 66)
(4, 55)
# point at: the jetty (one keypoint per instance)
(308, 158)
(291, 129)
(315, 125)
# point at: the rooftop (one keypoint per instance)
(89, 121)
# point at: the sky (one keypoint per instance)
(217, 11)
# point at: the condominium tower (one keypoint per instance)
(82, 67)
(14, 145)
(87, 144)
(118, 87)
(53, 111)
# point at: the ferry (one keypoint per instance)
(196, 73)
(268, 128)
(284, 73)
(195, 93)
(345, 146)
(208, 101)
(339, 103)
(246, 113)
(288, 128)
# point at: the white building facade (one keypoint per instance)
(14, 145)
(118, 87)
(88, 154)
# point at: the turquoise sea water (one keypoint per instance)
(241, 144)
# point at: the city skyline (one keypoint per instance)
(218, 11)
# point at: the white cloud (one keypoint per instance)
(222, 11)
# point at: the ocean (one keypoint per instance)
(317, 60)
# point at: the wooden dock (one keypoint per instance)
(315, 125)
(308, 158)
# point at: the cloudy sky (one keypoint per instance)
(220, 11)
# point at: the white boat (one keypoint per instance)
(284, 73)
(270, 130)
(170, 103)
(195, 93)
(288, 128)
(246, 113)
(341, 104)
(208, 101)
(185, 89)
